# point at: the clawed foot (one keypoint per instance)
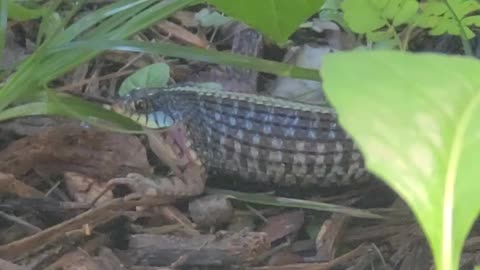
(141, 186)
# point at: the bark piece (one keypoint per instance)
(220, 249)
(92, 152)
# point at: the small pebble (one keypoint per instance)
(211, 210)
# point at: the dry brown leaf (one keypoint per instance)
(178, 32)
(330, 236)
(9, 184)
(284, 224)
(186, 18)
(285, 257)
(6, 265)
(77, 260)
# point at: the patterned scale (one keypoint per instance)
(258, 138)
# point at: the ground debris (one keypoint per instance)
(223, 248)
(99, 154)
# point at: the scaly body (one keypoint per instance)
(256, 138)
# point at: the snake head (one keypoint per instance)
(139, 106)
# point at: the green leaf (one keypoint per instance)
(415, 119)
(472, 20)
(50, 24)
(378, 18)
(365, 16)
(361, 16)
(379, 36)
(463, 8)
(437, 16)
(208, 18)
(277, 19)
(407, 10)
(18, 12)
(151, 76)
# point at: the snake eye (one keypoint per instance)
(140, 105)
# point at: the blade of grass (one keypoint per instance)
(90, 20)
(29, 109)
(3, 26)
(21, 13)
(77, 5)
(30, 76)
(46, 31)
(22, 81)
(67, 105)
(150, 16)
(116, 20)
(53, 103)
(266, 199)
(198, 54)
(62, 63)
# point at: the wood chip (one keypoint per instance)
(220, 249)
(95, 153)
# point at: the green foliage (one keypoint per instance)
(443, 20)
(198, 54)
(68, 45)
(53, 103)
(380, 20)
(49, 25)
(18, 12)
(414, 118)
(370, 17)
(331, 11)
(155, 75)
(277, 19)
(116, 21)
(209, 18)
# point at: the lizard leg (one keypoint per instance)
(174, 149)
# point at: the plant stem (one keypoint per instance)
(465, 43)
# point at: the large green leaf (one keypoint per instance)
(278, 19)
(415, 117)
